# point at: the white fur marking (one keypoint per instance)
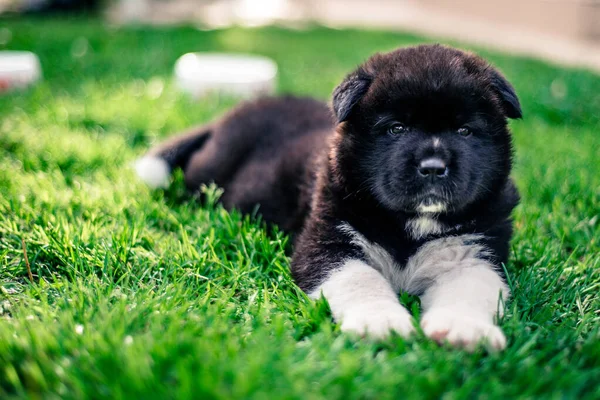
(154, 171)
(459, 289)
(423, 226)
(440, 256)
(434, 208)
(364, 302)
(460, 292)
(436, 142)
(377, 256)
(462, 328)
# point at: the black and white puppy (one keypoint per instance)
(406, 188)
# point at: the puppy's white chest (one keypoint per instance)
(378, 258)
(436, 256)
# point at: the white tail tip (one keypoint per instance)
(154, 171)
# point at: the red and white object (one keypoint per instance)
(18, 69)
(231, 74)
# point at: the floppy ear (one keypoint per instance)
(510, 101)
(349, 92)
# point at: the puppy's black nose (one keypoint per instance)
(433, 168)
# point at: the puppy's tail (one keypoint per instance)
(156, 166)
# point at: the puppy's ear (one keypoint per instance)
(349, 92)
(510, 101)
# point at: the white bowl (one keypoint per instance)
(231, 74)
(18, 69)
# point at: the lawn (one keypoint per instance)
(140, 295)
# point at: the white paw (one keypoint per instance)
(462, 329)
(378, 321)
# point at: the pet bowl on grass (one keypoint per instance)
(18, 69)
(230, 74)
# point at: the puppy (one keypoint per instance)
(404, 188)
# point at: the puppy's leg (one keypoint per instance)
(364, 301)
(460, 291)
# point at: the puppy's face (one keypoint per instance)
(423, 130)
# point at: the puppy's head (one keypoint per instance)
(423, 129)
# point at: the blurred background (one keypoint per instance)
(564, 31)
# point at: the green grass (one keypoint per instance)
(141, 294)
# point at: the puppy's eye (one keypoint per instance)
(464, 132)
(397, 129)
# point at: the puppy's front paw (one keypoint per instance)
(462, 329)
(379, 321)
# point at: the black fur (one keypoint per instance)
(346, 95)
(510, 102)
(309, 175)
